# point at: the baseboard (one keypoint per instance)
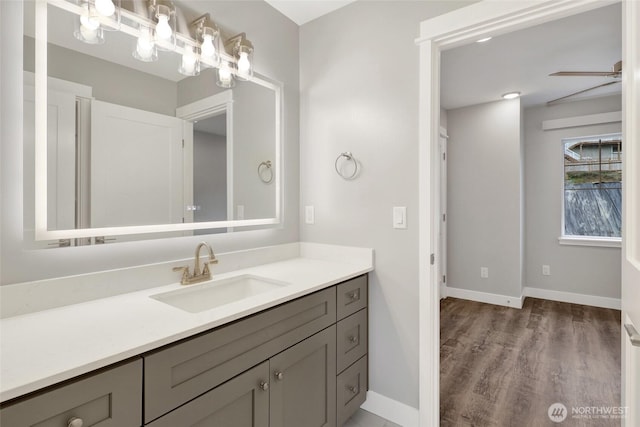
(592, 300)
(392, 410)
(497, 299)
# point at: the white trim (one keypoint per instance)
(570, 297)
(392, 410)
(602, 242)
(592, 119)
(496, 299)
(463, 26)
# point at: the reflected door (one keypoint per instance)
(136, 167)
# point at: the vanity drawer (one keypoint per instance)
(352, 339)
(352, 296)
(177, 374)
(111, 398)
(352, 386)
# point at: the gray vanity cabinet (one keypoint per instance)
(300, 364)
(240, 402)
(303, 385)
(110, 398)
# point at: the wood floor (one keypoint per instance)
(502, 367)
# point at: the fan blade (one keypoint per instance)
(555, 101)
(587, 73)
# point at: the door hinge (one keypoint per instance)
(183, 143)
(433, 259)
(444, 156)
(444, 278)
(444, 217)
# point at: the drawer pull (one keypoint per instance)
(353, 339)
(353, 295)
(264, 385)
(353, 389)
(75, 422)
(279, 375)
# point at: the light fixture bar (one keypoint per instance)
(129, 25)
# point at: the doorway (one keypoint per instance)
(447, 31)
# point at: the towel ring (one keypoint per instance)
(349, 157)
(262, 167)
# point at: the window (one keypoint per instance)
(593, 187)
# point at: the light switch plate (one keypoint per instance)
(399, 217)
(309, 215)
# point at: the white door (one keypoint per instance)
(631, 218)
(61, 158)
(136, 167)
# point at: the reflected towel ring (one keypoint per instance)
(349, 157)
(266, 165)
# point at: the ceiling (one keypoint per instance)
(303, 11)
(522, 61)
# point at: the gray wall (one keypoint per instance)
(110, 82)
(359, 93)
(484, 198)
(210, 176)
(582, 270)
(276, 41)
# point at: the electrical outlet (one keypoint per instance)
(546, 270)
(484, 272)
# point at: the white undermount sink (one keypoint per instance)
(205, 296)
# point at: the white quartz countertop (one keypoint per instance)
(43, 348)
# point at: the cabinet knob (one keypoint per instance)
(279, 375)
(353, 295)
(353, 389)
(75, 422)
(264, 385)
(353, 339)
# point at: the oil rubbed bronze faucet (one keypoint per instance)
(198, 275)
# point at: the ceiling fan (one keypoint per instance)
(615, 73)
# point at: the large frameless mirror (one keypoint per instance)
(127, 148)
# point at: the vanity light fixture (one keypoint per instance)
(105, 7)
(145, 49)
(511, 95)
(242, 51)
(88, 28)
(190, 62)
(225, 77)
(165, 15)
(207, 34)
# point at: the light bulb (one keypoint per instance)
(225, 79)
(189, 65)
(145, 48)
(208, 49)
(163, 29)
(244, 66)
(88, 22)
(105, 7)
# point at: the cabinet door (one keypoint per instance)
(303, 385)
(111, 398)
(240, 402)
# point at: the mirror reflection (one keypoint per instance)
(133, 143)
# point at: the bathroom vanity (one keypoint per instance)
(301, 361)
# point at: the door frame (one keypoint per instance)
(457, 28)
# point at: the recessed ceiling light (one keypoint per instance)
(486, 39)
(511, 95)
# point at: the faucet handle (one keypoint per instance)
(185, 271)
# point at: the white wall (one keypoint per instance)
(484, 198)
(359, 93)
(583, 270)
(276, 42)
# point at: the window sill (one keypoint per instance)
(602, 242)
